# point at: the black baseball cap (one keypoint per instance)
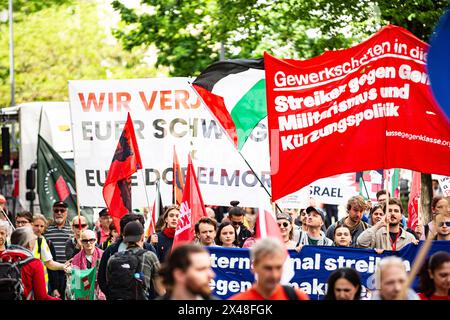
(318, 210)
(133, 231)
(60, 204)
(104, 213)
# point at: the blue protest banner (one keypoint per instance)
(312, 267)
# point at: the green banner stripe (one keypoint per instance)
(249, 111)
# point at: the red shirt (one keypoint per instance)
(278, 294)
(33, 278)
(433, 297)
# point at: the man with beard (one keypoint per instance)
(355, 208)
(268, 256)
(376, 236)
(206, 229)
(187, 273)
(58, 233)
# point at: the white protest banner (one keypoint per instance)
(165, 112)
(444, 183)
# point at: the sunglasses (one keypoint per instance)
(236, 223)
(59, 210)
(76, 225)
(447, 223)
(85, 241)
(284, 224)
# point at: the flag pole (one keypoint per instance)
(245, 160)
(7, 219)
(386, 187)
(174, 181)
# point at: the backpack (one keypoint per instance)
(126, 276)
(11, 286)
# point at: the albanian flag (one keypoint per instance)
(126, 161)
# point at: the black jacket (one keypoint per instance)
(243, 235)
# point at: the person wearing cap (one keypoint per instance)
(133, 237)
(314, 235)
(284, 222)
(58, 233)
(236, 217)
(104, 220)
(355, 208)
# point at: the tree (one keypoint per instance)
(189, 34)
(62, 42)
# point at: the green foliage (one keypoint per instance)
(60, 43)
(189, 34)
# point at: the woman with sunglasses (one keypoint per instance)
(88, 257)
(284, 222)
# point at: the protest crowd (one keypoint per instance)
(50, 251)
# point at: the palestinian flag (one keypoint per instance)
(235, 92)
(56, 182)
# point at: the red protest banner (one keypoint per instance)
(366, 107)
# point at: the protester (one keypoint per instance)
(44, 249)
(166, 235)
(303, 217)
(442, 227)
(131, 273)
(342, 236)
(250, 218)
(187, 274)
(438, 205)
(89, 257)
(58, 233)
(118, 246)
(73, 245)
(435, 277)
(391, 279)
(314, 235)
(5, 233)
(267, 257)
(284, 222)
(236, 217)
(23, 219)
(5, 214)
(112, 237)
(210, 212)
(437, 191)
(381, 196)
(355, 207)
(206, 229)
(376, 236)
(375, 214)
(344, 284)
(103, 230)
(23, 241)
(227, 236)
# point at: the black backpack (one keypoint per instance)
(11, 286)
(125, 276)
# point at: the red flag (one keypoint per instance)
(126, 161)
(267, 227)
(413, 203)
(373, 99)
(192, 208)
(177, 181)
